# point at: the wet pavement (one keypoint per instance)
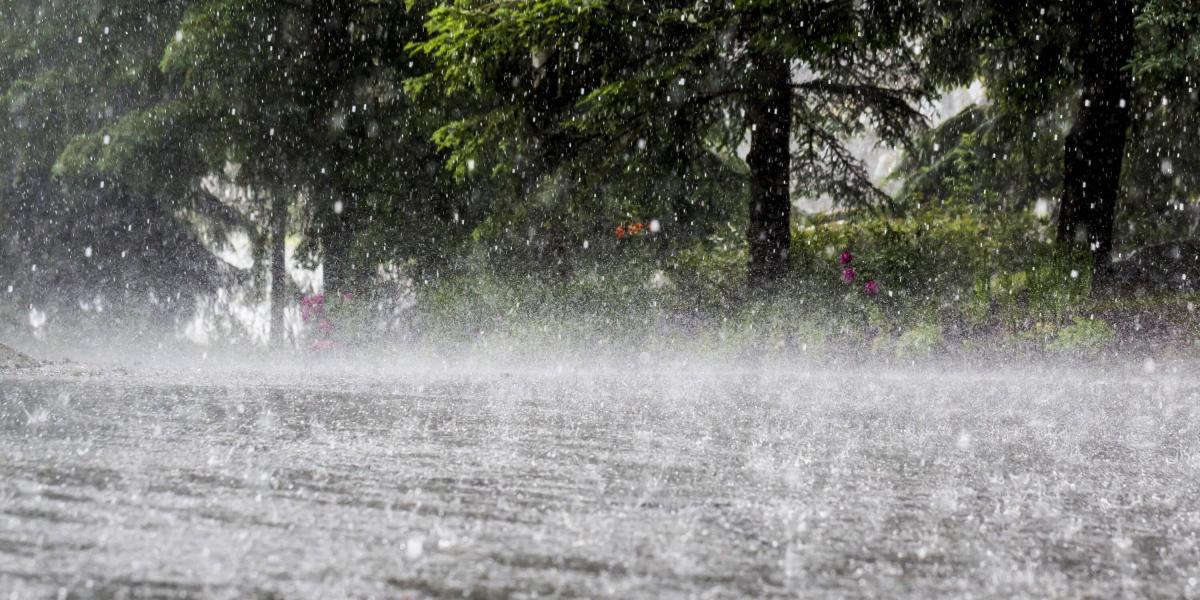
(671, 483)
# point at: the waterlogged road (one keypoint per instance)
(655, 483)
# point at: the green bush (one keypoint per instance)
(939, 266)
(919, 341)
(1083, 337)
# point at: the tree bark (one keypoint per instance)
(770, 111)
(337, 239)
(331, 46)
(1095, 146)
(279, 208)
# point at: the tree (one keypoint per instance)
(1095, 146)
(299, 105)
(554, 81)
(1163, 154)
(91, 245)
(307, 95)
(1104, 85)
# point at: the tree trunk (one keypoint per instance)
(1095, 146)
(279, 208)
(337, 238)
(770, 112)
(332, 29)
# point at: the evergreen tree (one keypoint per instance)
(306, 98)
(554, 81)
(300, 106)
(82, 246)
(1104, 85)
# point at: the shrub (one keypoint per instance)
(919, 341)
(940, 266)
(1083, 337)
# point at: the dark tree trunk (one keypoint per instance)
(331, 46)
(337, 240)
(1095, 146)
(770, 112)
(278, 217)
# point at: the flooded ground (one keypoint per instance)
(678, 482)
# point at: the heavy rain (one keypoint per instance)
(599, 298)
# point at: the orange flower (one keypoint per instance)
(635, 229)
(620, 231)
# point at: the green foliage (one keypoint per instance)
(1008, 155)
(936, 264)
(301, 100)
(942, 276)
(636, 111)
(68, 72)
(972, 160)
(1083, 338)
(919, 341)
(1171, 38)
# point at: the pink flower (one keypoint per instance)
(323, 345)
(849, 275)
(347, 296)
(312, 307)
(309, 311)
(845, 258)
(871, 288)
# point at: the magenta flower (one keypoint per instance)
(313, 300)
(871, 288)
(845, 258)
(849, 275)
(312, 307)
